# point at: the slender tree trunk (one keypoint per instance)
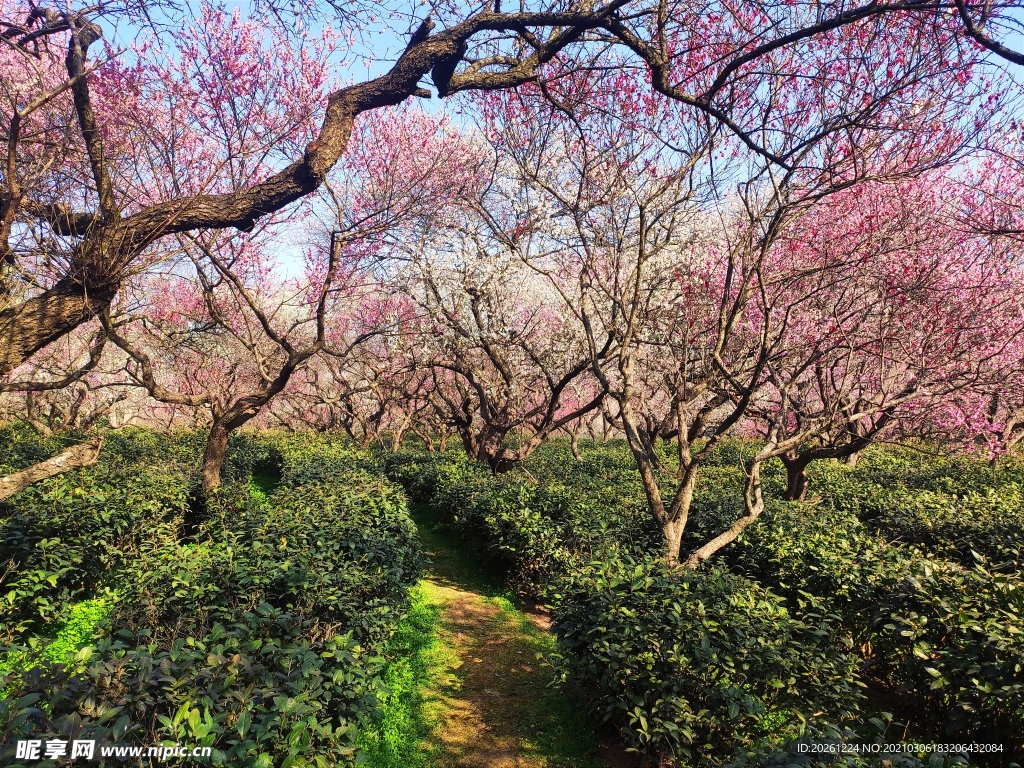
(673, 531)
(678, 515)
(396, 439)
(672, 520)
(427, 438)
(213, 456)
(574, 446)
(399, 433)
(82, 455)
(852, 459)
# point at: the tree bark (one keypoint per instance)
(796, 476)
(82, 455)
(673, 532)
(111, 243)
(213, 456)
(40, 320)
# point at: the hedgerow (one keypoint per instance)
(62, 539)
(257, 631)
(529, 526)
(701, 664)
(944, 637)
(957, 516)
(909, 560)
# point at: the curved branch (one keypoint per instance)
(82, 455)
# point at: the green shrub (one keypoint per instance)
(341, 554)
(258, 633)
(955, 527)
(946, 637)
(700, 664)
(526, 524)
(916, 557)
(955, 510)
(952, 639)
(62, 539)
(255, 688)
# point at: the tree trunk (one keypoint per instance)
(852, 459)
(399, 433)
(673, 518)
(82, 455)
(796, 477)
(427, 439)
(40, 320)
(678, 515)
(501, 460)
(673, 532)
(574, 446)
(396, 439)
(213, 456)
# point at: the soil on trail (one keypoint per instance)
(494, 706)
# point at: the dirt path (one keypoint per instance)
(486, 704)
(492, 705)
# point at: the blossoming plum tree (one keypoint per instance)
(780, 77)
(670, 273)
(895, 311)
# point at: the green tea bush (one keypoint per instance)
(955, 510)
(967, 527)
(423, 474)
(952, 639)
(526, 524)
(700, 665)
(62, 538)
(23, 447)
(341, 554)
(251, 452)
(945, 637)
(255, 688)
(257, 634)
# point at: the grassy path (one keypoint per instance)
(467, 686)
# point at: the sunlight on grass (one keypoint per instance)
(70, 637)
(419, 658)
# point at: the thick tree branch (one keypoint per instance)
(82, 455)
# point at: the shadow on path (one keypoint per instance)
(494, 706)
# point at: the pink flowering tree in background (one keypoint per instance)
(117, 158)
(231, 334)
(67, 387)
(894, 310)
(989, 416)
(666, 267)
(508, 361)
(778, 77)
(70, 385)
(373, 391)
(225, 338)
